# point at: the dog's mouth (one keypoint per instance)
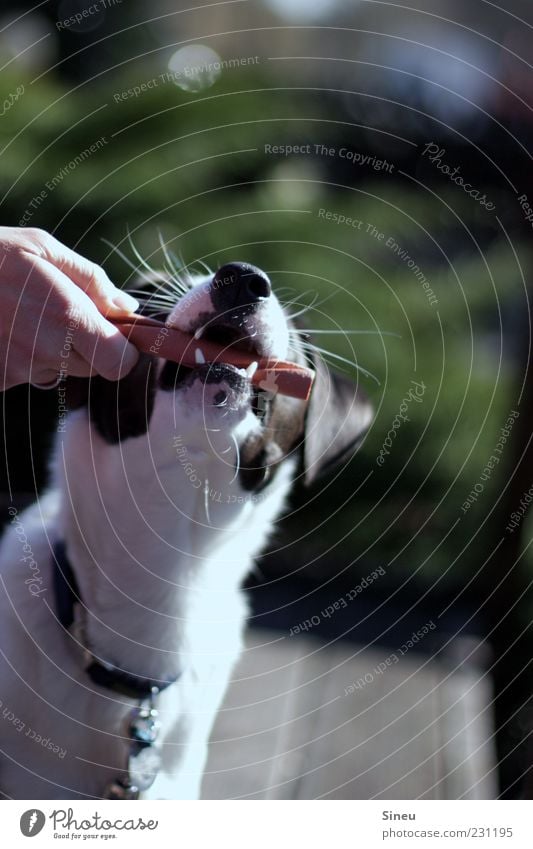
(235, 332)
(177, 375)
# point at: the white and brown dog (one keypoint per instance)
(121, 614)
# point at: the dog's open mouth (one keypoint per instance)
(189, 352)
(226, 337)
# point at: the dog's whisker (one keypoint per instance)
(171, 261)
(173, 282)
(304, 309)
(297, 300)
(173, 285)
(299, 294)
(298, 336)
(140, 258)
(155, 307)
(316, 331)
(167, 288)
(205, 265)
(127, 260)
(313, 305)
(309, 346)
(147, 275)
(155, 297)
(176, 262)
(298, 314)
(160, 292)
(170, 285)
(158, 306)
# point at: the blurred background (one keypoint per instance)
(129, 124)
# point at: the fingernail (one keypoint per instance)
(123, 301)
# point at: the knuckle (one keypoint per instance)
(94, 277)
(35, 233)
(100, 278)
(97, 276)
(40, 238)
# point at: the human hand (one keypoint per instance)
(53, 308)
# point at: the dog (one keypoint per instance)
(121, 611)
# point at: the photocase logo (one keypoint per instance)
(32, 822)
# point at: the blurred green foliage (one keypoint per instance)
(194, 168)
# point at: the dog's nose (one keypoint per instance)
(239, 284)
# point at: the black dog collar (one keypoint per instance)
(67, 594)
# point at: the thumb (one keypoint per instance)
(96, 340)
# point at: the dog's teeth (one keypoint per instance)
(251, 370)
(199, 356)
(198, 333)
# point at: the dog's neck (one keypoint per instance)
(152, 552)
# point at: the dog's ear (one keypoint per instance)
(118, 409)
(338, 414)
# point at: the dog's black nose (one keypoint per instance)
(238, 284)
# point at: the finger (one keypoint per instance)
(45, 379)
(101, 345)
(87, 275)
(76, 367)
